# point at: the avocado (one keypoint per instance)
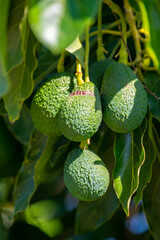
(97, 69)
(80, 115)
(85, 175)
(47, 102)
(124, 99)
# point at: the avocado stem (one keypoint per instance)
(100, 53)
(86, 63)
(84, 144)
(60, 65)
(79, 74)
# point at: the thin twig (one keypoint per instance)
(130, 58)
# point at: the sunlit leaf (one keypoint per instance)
(150, 11)
(152, 81)
(56, 23)
(4, 83)
(130, 155)
(31, 172)
(77, 50)
(151, 201)
(43, 216)
(146, 169)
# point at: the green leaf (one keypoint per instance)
(151, 201)
(3, 230)
(130, 155)
(3, 111)
(146, 169)
(21, 75)
(77, 50)
(91, 215)
(47, 62)
(31, 172)
(152, 81)
(14, 53)
(56, 24)
(43, 216)
(22, 128)
(4, 83)
(150, 11)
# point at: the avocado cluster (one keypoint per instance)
(60, 106)
(85, 175)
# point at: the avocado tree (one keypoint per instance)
(79, 120)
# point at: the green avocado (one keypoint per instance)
(97, 69)
(124, 99)
(85, 175)
(47, 102)
(81, 114)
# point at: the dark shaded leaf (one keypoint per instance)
(151, 201)
(10, 152)
(3, 230)
(4, 83)
(3, 111)
(31, 172)
(14, 53)
(146, 169)
(22, 128)
(130, 155)
(152, 81)
(47, 62)
(91, 215)
(56, 24)
(21, 75)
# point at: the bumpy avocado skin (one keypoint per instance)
(81, 115)
(97, 69)
(47, 102)
(124, 99)
(85, 175)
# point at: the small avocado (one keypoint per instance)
(80, 115)
(47, 102)
(85, 175)
(124, 99)
(97, 69)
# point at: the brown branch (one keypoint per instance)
(130, 58)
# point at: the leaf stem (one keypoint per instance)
(123, 54)
(87, 54)
(100, 54)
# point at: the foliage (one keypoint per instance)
(37, 39)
